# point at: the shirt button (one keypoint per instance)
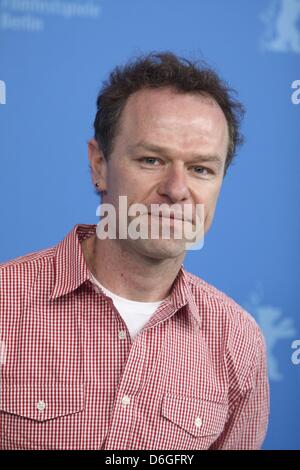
(198, 422)
(122, 334)
(41, 405)
(125, 400)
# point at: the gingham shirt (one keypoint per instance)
(195, 377)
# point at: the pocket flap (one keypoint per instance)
(41, 401)
(198, 417)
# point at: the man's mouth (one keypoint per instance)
(170, 216)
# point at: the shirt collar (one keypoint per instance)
(71, 271)
(182, 295)
(69, 264)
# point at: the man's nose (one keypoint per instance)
(174, 185)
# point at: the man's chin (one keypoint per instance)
(160, 248)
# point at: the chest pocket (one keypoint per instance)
(193, 418)
(39, 416)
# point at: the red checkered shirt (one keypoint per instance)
(195, 377)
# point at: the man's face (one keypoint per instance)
(171, 148)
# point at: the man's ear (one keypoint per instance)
(98, 165)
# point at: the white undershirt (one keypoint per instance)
(135, 314)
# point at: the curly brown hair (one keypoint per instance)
(163, 69)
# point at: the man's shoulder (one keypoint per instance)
(24, 268)
(32, 258)
(222, 308)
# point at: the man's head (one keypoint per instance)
(158, 70)
(159, 120)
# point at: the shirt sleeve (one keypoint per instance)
(247, 424)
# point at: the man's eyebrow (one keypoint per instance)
(167, 151)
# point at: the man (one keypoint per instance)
(110, 343)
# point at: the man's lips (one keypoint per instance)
(170, 216)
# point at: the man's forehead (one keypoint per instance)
(169, 95)
(167, 108)
(158, 120)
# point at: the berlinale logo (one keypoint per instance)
(281, 20)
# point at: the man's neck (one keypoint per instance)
(135, 277)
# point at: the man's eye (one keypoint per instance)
(149, 160)
(201, 170)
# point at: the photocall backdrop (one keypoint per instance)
(53, 58)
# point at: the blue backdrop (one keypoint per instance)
(53, 57)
